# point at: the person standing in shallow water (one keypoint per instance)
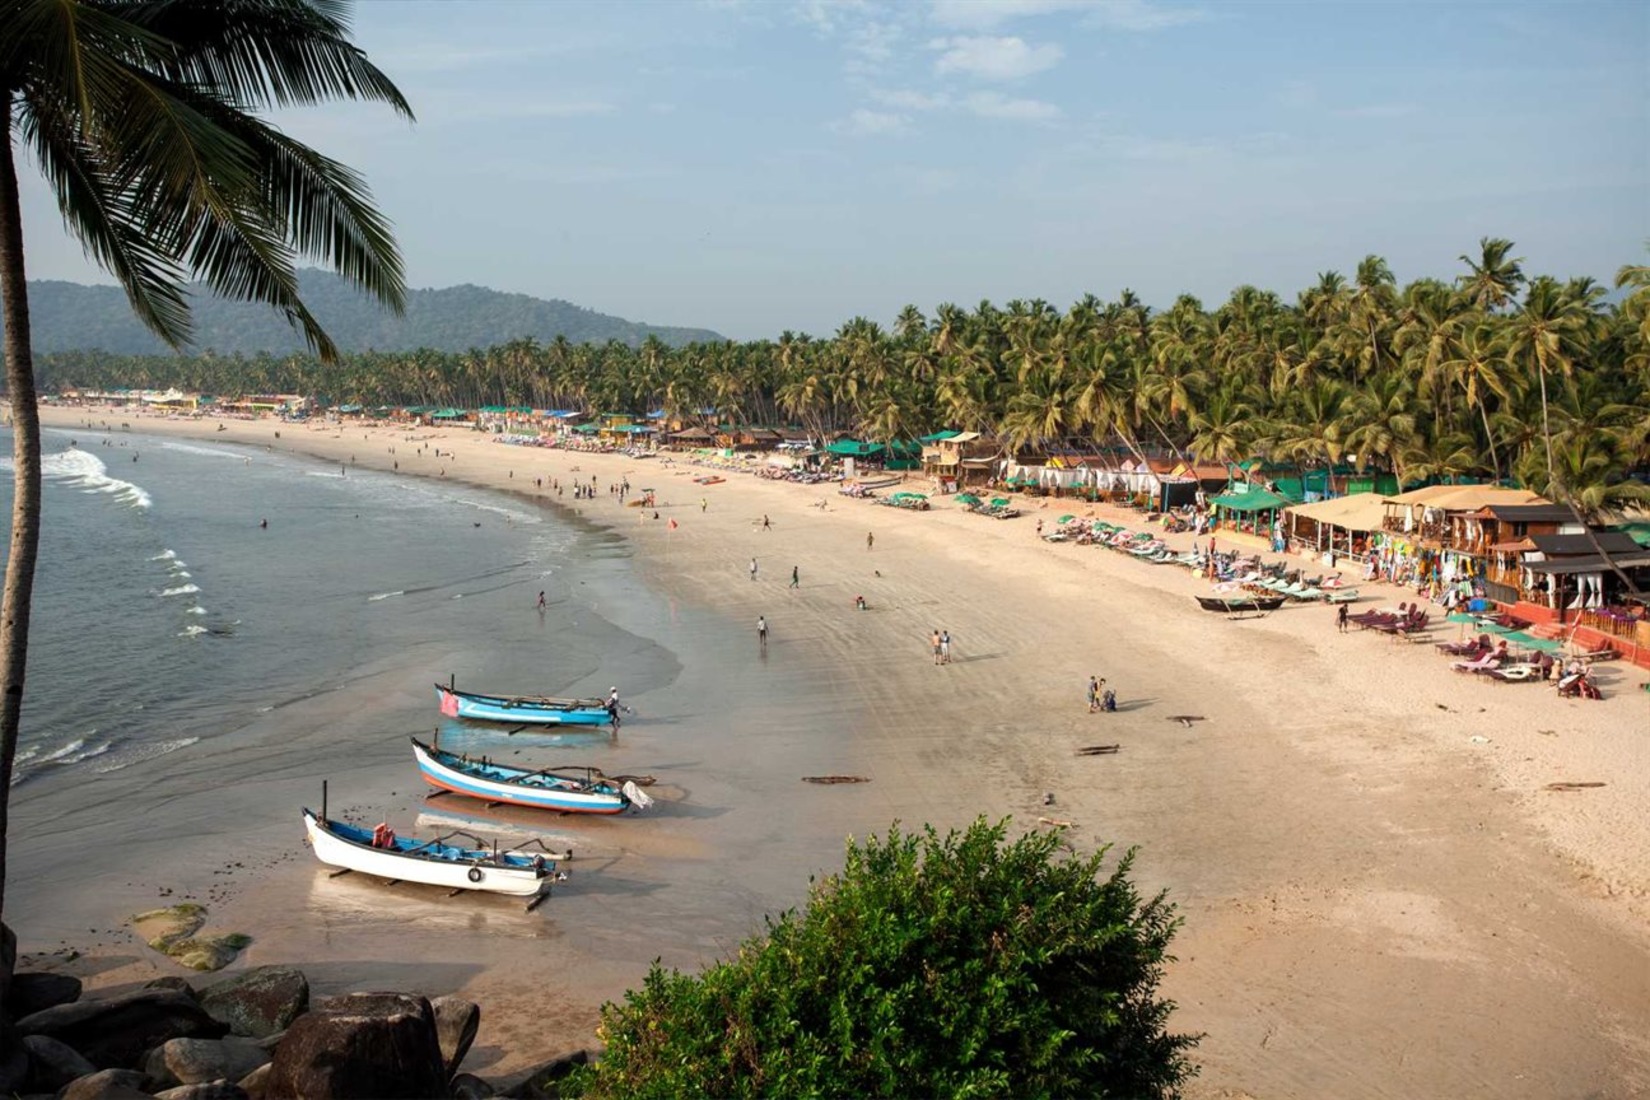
(762, 631)
(753, 569)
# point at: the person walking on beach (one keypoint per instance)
(753, 569)
(703, 504)
(870, 540)
(541, 599)
(945, 647)
(796, 577)
(766, 526)
(762, 631)
(934, 642)
(1340, 618)
(1094, 694)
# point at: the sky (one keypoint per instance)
(756, 167)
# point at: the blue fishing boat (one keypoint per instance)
(531, 710)
(579, 790)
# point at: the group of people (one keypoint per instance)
(1101, 697)
(941, 643)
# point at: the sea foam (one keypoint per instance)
(86, 472)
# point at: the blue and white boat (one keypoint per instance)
(531, 710)
(437, 862)
(577, 790)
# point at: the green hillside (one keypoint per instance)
(71, 317)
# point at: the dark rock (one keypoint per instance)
(540, 1082)
(270, 1042)
(467, 1086)
(8, 961)
(456, 1022)
(31, 992)
(197, 1061)
(53, 1064)
(206, 1090)
(115, 1032)
(260, 1001)
(360, 1047)
(256, 1083)
(107, 1084)
(14, 1060)
(172, 981)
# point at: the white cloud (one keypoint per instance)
(993, 58)
(997, 105)
(868, 123)
(1125, 15)
(907, 99)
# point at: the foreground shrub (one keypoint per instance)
(963, 965)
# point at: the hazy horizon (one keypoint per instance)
(752, 168)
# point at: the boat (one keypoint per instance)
(1239, 605)
(531, 710)
(437, 862)
(579, 790)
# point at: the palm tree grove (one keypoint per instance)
(1489, 375)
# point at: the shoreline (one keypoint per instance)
(1375, 903)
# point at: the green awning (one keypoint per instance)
(1255, 500)
(937, 436)
(853, 448)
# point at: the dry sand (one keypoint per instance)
(1380, 897)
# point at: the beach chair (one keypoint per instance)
(1514, 674)
(1487, 661)
(1341, 595)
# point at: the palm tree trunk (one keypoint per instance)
(1489, 437)
(18, 594)
(1546, 429)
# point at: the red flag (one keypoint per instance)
(672, 525)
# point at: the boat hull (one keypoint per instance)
(532, 712)
(478, 874)
(499, 783)
(1240, 605)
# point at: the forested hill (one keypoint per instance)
(71, 317)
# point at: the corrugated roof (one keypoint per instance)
(1611, 542)
(1590, 564)
(1532, 513)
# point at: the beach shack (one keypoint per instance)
(1341, 525)
(1434, 533)
(957, 460)
(1249, 509)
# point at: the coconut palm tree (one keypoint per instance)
(1494, 280)
(141, 115)
(1544, 337)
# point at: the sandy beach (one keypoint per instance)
(1381, 896)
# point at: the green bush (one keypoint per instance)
(957, 966)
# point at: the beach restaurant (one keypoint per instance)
(1249, 508)
(1340, 525)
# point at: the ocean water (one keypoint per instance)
(167, 613)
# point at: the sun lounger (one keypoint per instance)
(1514, 674)
(1487, 661)
(1341, 595)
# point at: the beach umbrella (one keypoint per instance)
(999, 502)
(1065, 519)
(967, 498)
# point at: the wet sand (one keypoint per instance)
(1376, 903)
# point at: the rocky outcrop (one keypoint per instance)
(114, 1033)
(259, 1002)
(467, 1086)
(172, 981)
(14, 1063)
(198, 1061)
(456, 1023)
(256, 1083)
(368, 1046)
(213, 1090)
(541, 1081)
(32, 992)
(52, 1064)
(107, 1084)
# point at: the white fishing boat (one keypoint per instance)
(438, 862)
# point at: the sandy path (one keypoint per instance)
(1375, 905)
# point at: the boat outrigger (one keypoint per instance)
(580, 790)
(441, 861)
(531, 710)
